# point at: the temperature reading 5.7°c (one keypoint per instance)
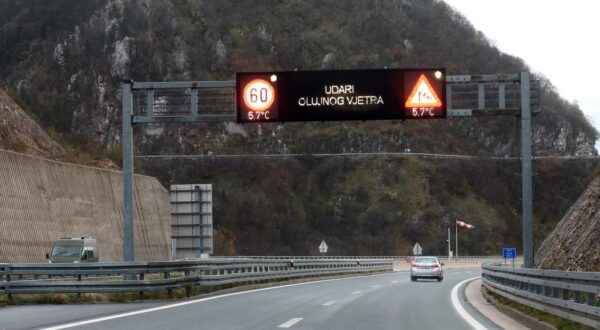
(423, 100)
(259, 115)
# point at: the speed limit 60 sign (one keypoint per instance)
(341, 95)
(258, 97)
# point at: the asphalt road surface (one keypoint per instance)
(387, 301)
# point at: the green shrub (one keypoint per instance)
(115, 153)
(236, 35)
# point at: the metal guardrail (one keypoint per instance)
(169, 275)
(499, 257)
(570, 295)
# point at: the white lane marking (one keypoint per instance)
(290, 322)
(461, 310)
(377, 286)
(394, 282)
(329, 303)
(357, 292)
(149, 310)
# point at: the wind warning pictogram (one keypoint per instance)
(423, 95)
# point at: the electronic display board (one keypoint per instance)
(333, 95)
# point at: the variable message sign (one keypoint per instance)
(341, 95)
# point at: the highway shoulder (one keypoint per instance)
(485, 312)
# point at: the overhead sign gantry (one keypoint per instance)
(377, 94)
(332, 95)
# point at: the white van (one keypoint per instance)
(74, 250)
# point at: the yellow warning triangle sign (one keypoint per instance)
(423, 95)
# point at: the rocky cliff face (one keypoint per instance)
(575, 242)
(18, 132)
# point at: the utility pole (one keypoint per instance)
(526, 169)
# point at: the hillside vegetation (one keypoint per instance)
(66, 61)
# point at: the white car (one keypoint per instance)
(426, 267)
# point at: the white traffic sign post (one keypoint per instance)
(417, 250)
(449, 247)
(323, 247)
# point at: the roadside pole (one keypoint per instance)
(526, 169)
(127, 143)
(449, 246)
(456, 239)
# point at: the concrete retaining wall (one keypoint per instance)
(42, 200)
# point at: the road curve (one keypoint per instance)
(386, 301)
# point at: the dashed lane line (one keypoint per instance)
(290, 322)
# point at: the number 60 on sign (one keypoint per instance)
(259, 96)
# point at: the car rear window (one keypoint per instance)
(426, 260)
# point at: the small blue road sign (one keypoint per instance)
(509, 253)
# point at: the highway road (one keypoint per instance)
(384, 301)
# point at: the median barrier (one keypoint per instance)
(170, 275)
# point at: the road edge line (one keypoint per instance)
(461, 310)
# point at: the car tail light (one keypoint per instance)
(436, 266)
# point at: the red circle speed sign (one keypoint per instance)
(258, 95)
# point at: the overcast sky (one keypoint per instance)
(559, 39)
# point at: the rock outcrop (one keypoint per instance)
(18, 132)
(575, 242)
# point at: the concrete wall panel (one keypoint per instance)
(42, 200)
